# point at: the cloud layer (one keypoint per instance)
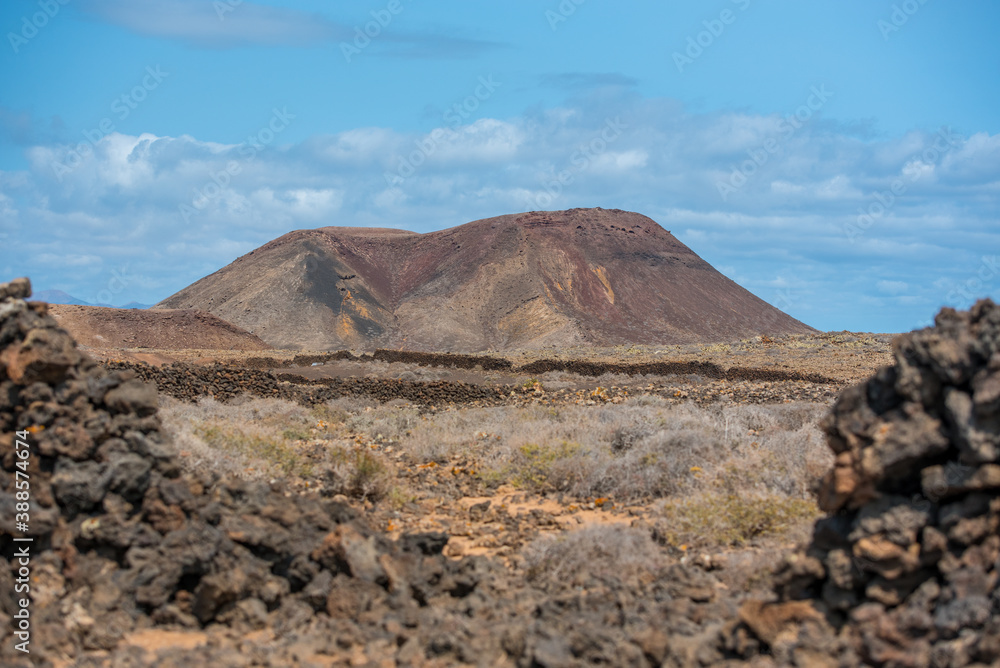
(821, 219)
(220, 24)
(226, 24)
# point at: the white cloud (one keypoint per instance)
(787, 188)
(299, 205)
(356, 146)
(620, 161)
(8, 212)
(782, 229)
(486, 140)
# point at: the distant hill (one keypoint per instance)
(60, 297)
(100, 327)
(584, 276)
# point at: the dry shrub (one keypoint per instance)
(732, 473)
(266, 454)
(714, 519)
(250, 438)
(540, 467)
(642, 449)
(338, 411)
(265, 438)
(608, 553)
(389, 422)
(358, 473)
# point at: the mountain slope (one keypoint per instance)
(100, 327)
(522, 280)
(59, 297)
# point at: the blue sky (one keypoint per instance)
(839, 159)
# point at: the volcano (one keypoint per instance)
(563, 278)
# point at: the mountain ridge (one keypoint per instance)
(66, 299)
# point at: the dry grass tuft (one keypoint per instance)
(253, 438)
(358, 473)
(610, 554)
(268, 454)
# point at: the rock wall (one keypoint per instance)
(905, 567)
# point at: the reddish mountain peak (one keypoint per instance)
(599, 276)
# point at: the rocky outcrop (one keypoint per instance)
(905, 567)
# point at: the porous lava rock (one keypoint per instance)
(904, 568)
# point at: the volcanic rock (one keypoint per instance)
(128, 536)
(906, 566)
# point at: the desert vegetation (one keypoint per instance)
(715, 475)
(267, 439)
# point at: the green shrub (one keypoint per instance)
(399, 498)
(295, 435)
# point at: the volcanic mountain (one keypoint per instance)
(577, 277)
